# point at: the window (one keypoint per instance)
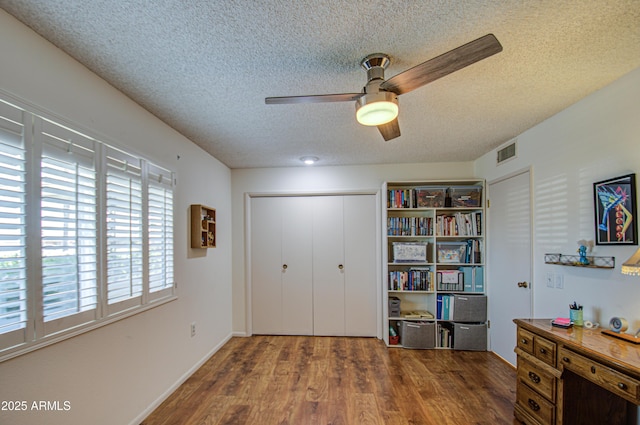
(99, 222)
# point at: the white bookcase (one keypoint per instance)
(433, 262)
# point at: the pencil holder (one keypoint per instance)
(576, 317)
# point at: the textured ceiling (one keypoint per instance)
(205, 67)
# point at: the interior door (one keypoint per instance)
(281, 264)
(266, 262)
(328, 266)
(297, 265)
(509, 261)
(361, 287)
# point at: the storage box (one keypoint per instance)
(409, 252)
(466, 196)
(469, 308)
(430, 197)
(418, 334)
(451, 252)
(394, 307)
(470, 337)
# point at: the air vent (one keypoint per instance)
(507, 152)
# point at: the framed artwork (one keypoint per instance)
(616, 211)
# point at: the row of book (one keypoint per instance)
(459, 224)
(411, 280)
(409, 226)
(444, 335)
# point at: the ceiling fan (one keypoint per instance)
(377, 104)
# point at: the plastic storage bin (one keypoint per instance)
(453, 252)
(466, 196)
(417, 334)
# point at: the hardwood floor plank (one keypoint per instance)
(293, 380)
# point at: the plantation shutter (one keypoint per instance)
(124, 230)
(160, 228)
(68, 227)
(13, 278)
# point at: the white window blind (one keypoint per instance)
(13, 279)
(68, 226)
(124, 240)
(86, 231)
(160, 228)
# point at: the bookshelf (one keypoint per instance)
(203, 226)
(434, 241)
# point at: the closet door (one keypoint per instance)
(328, 266)
(281, 295)
(297, 296)
(360, 290)
(266, 262)
(344, 265)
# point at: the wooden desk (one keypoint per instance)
(575, 376)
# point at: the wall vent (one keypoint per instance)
(507, 152)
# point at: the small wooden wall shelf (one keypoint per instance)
(574, 260)
(203, 226)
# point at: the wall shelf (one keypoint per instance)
(203, 226)
(574, 261)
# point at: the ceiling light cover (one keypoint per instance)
(632, 265)
(309, 160)
(377, 108)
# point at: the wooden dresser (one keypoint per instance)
(575, 376)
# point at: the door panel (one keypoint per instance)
(266, 254)
(297, 296)
(509, 260)
(328, 276)
(360, 266)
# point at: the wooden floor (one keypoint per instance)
(292, 380)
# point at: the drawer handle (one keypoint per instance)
(524, 341)
(534, 406)
(534, 378)
(566, 360)
(593, 369)
(543, 351)
(622, 386)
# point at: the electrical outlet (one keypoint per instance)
(550, 283)
(193, 329)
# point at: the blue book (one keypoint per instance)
(439, 307)
(446, 303)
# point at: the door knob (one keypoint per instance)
(523, 284)
(340, 266)
(284, 267)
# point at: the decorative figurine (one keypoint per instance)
(582, 250)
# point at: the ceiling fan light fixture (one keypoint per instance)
(374, 109)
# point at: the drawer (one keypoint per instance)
(545, 350)
(538, 379)
(525, 340)
(535, 405)
(609, 379)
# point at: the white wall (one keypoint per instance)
(315, 179)
(593, 140)
(115, 374)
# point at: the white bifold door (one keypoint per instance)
(313, 265)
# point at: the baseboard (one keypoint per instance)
(240, 334)
(153, 406)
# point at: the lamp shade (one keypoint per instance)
(377, 108)
(632, 265)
